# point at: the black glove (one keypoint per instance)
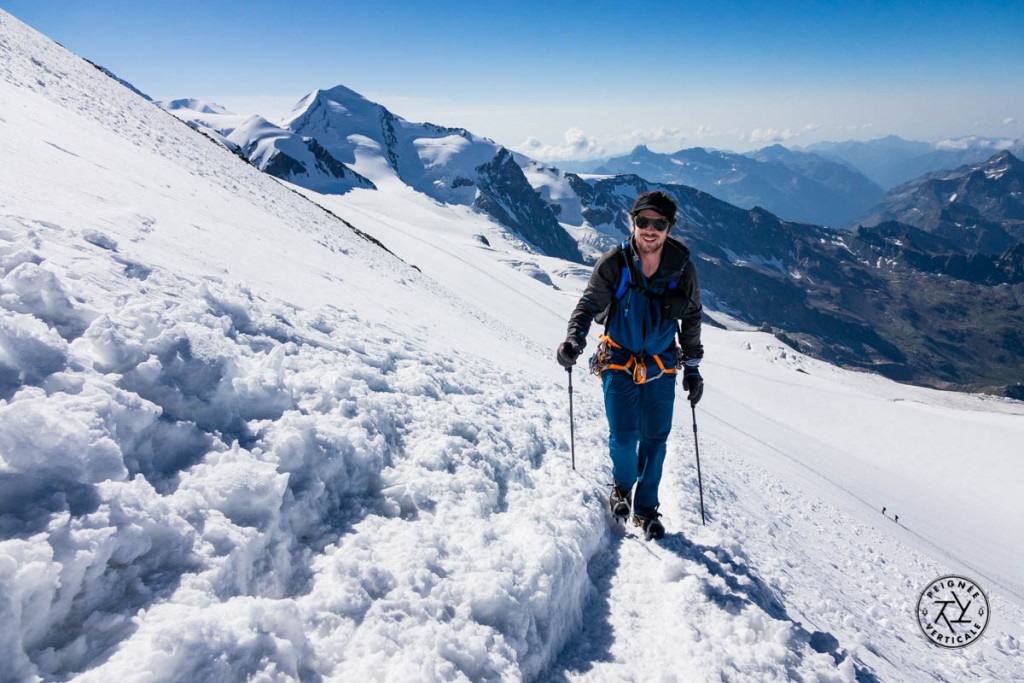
(693, 383)
(569, 350)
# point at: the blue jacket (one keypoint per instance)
(649, 315)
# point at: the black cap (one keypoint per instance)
(655, 201)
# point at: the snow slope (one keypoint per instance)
(240, 440)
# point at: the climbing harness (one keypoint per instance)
(634, 365)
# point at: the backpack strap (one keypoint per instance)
(626, 277)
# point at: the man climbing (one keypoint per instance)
(646, 294)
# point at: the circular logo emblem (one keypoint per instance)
(953, 611)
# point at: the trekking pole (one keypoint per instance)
(696, 449)
(572, 423)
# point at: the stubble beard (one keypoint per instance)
(647, 248)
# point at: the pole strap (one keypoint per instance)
(696, 450)
(572, 422)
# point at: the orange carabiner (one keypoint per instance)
(639, 372)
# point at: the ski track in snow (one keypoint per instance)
(239, 442)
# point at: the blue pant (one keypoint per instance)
(639, 422)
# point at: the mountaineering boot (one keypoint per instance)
(651, 525)
(619, 503)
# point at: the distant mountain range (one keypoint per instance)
(827, 183)
(892, 161)
(976, 208)
(910, 302)
(801, 186)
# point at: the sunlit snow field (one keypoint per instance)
(239, 441)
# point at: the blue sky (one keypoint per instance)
(567, 80)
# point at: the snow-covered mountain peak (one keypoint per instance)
(195, 105)
(256, 126)
(448, 164)
(336, 106)
(269, 147)
(1006, 158)
(344, 112)
(343, 95)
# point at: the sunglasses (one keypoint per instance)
(659, 224)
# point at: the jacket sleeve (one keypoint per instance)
(689, 323)
(597, 297)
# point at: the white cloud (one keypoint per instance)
(1009, 120)
(773, 135)
(975, 142)
(576, 145)
(761, 135)
(660, 134)
(957, 144)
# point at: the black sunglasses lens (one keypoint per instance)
(659, 224)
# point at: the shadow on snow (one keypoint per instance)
(743, 588)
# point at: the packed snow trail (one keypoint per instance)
(689, 607)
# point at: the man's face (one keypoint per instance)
(648, 239)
